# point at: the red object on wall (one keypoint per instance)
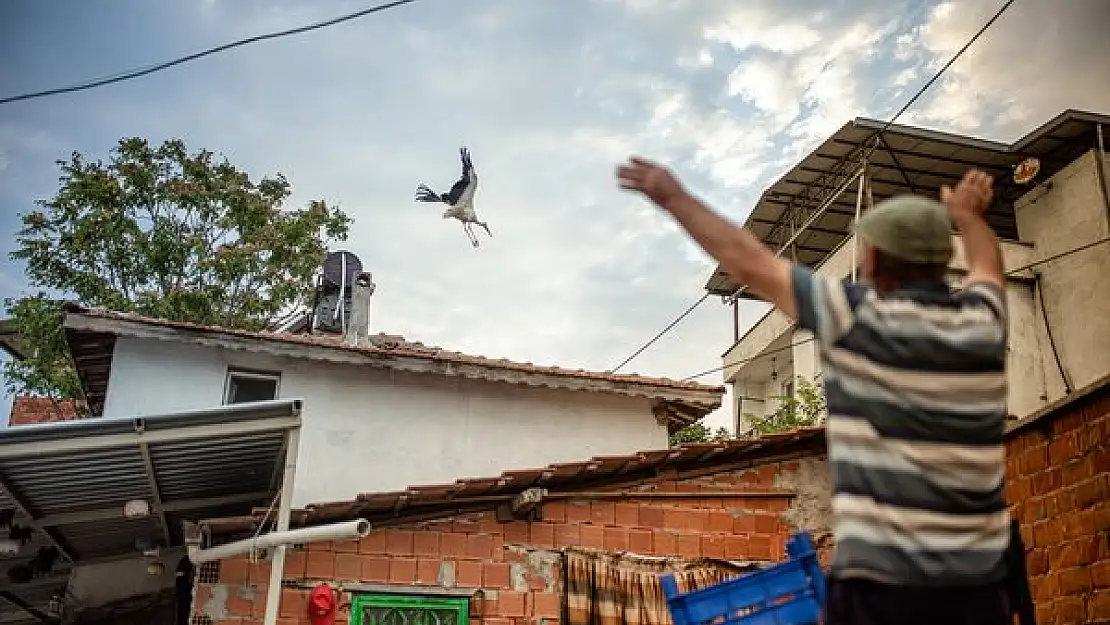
(321, 605)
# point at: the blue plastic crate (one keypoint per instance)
(788, 593)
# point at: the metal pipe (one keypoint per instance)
(277, 564)
(735, 320)
(812, 218)
(855, 220)
(347, 530)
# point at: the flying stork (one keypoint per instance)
(460, 199)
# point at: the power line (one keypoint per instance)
(100, 82)
(1047, 259)
(658, 336)
(942, 70)
(886, 126)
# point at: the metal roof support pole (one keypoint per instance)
(855, 220)
(277, 565)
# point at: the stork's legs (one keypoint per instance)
(470, 234)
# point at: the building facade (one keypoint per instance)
(385, 413)
(1053, 235)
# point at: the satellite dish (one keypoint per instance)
(1027, 170)
(341, 268)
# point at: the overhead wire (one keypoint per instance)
(150, 69)
(1016, 270)
(871, 139)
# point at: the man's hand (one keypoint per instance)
(972, 197)
(654, 181)
(966, 204)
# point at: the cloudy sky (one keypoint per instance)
(549, 95)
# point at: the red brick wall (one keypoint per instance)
(27, 410)
(1058, 478)
(514, 562)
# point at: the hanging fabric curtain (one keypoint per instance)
(603, 588)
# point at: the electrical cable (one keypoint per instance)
(136, 73)
(1047, 259)
(658, 336)
(886, 126)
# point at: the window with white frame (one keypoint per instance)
(244, 386)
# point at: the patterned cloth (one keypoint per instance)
(623, 589)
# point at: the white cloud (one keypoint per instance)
(1038, 59)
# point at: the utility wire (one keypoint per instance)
(100, 82)
(878, 132)
(1047, 259)
(658, 336)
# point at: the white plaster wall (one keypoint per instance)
(93, 585)
(1077, 295)
(368, 430)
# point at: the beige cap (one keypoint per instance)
(911, 228)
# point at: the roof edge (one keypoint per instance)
(704, 397)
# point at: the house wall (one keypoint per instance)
(95, 585)
(1057, 218)
(368, 429)
(1052, 219)
(517, 564)
(1058, 481)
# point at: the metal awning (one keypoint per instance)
(69, 481)
(905, 160)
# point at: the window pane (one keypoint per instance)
(242, 389)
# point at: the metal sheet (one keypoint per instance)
(70, 480)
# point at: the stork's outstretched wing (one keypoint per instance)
(466, 184)
(424, 194)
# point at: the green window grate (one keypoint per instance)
(370, 609)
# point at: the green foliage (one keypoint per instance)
(802, 410)
(166, 234)
(698, 433)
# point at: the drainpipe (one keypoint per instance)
(348, 530)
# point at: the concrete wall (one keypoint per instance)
(516, 564)
(1053, 218)
(1057, 218)
(369, 429)
(94, 585)
(1058, 482)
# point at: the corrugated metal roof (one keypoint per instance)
(91, 335)
(70, 480)
(603, 472)
(906, 160)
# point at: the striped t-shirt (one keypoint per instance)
(916, 388)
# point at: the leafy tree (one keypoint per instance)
(164, 233)
(698, 433)
(803, 409)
